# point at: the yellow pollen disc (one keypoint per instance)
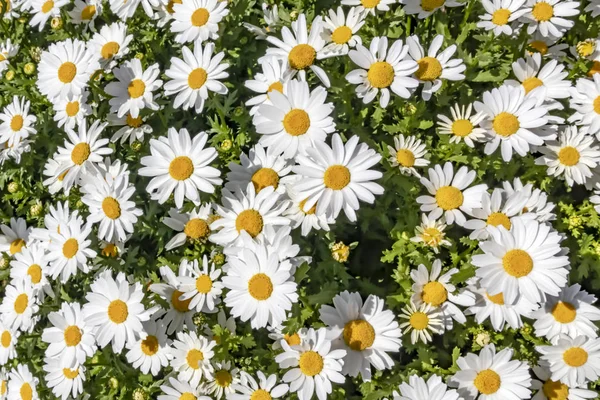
(109, 50)
(564, 312)
(501, 16)
(203, 284)
(449, 198)
(462, 127)
(193, 358)
(2, 58)
(72, 335)
(70, 373)
(26, 392)
(88, 13)
(430, 5)
(134, 122)
(200, 17)
(3, 387)
(419, 321)
(260, 394)
(196, 228)
(70, 248)
(310, 363)
(21, 303)
(6, 339)
(542, 11)
(531, 83)
(487, 381)
(178, 304)
(359, 334)
(150, 345)
(16, 246)
(499, 218)
(336, 177)
(293, 339)
(251, 221)
(260, 287)
(341, 35)
(80, 153)
(136, 88)
(296, 122)
(539, 46)
(111, 207)
(187, 395)
(47, 6)
(275, 86)
(16, 123)
(370, 3)
(597, 105)
(67, 72)
(517, 263)
(35, 272)
(568, 156)
(302, 56)
(110, 250)
(311, 211)
(265, 177)
(118, 311)
(181, 168)
(72, 108)
(432, 236)
(555, 390)
(594, 69)
(197, 78)
(429, 69)
(434, 293)
(575, 357)
(405, 157)
(170, 10)
(506, 124)
(223, 378)
(381, 74)
(496, 299)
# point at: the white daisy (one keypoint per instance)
(179, 313)
(249, 389)
(111, 44)
(194, 76)
(573, 361)
(131, 128)
(64, 381)
(538, 200)
(341, 31)
(197, 20)
(291, 338)
(337, 177)
(201, 285)
(366, 331)
(585, 100)
(501, 15)
(181, 389)
(126, 9)
(421, 322)
(14, 236)
(223, 380)
(462, 126)
(70, 111)
(42, 10)
(32, 261)
(369, 6)
(16, 123)
(86, 12)
(314, 365)
(152, 351)
(57, 214)
(546, 46)
(419, 389)
(11, 11)
(69, 249)
(307, 220)
(8, 341)
(192, 226)
(19, 306)
(182, 165)
(3, 382)
(450, 194)
(22, 385)
(382, 70)
(424, 8)
(548, 16)
(191, 357)
(547, 82)
(271, 19)
(431, 233)
(133, 89)
(556, 390)
(407, 154)
(274, 76)
(7, 48)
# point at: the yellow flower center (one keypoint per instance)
(419, 321)
(88, 13)
(405, 157)
(200, 17)
(118, 311)
(336, 177)
(2, 58)
(434, 293)
(109, 50)
(149, 345)
(499, 218)
(47, 6)
(197, 78)
(568, 156)
(196, 228)
(487, 381)
(260, 287)
(539, 46)
(134, 122)
(506, 124)
(16, 246)
(531, 83)
(381, 74)
(293, 339)
(311, 363)
(70, 248)
(341, 35)
(193, 358)
(594, 69)
(260, 394)
(110, 250)
(81, 152)
(597, 105)
(136, 88)
(429, 69)
(542, 11)
(70, 373)
(265, 177)
(370, 3)
(496, 299)
(449, 198)
(181, 168)
(555, 390)
(311, 211)
(203, 284)
(432, 236)
(251, 221)
(170, 10)
(26, 391)
(67, 70)
(4, 384)
(16, 123)
(21, 303)
(72, 108)
(187, 395)
(575, 357)
(6, 339)
(302, 56)
(296, 122)
(517, 263)
(462, 127)
(223, 378)
(275, 86)
(586, 47)
(72, 335)
(359, 334)
(564, 312)
(430, 5)
(178, 304)
(111, 207)
(501, 16)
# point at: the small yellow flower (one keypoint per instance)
(586, 47)
(29, 69)
(10, 75)
(218, 258)
(340, 252)
(575, 222)
(226, 145)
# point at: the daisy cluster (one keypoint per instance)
(355, 199)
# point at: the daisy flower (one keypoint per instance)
(249, 389)
(197, 20)
(369, 6)
(491, 375)
(548, 81)
(64, 382)
(424, 8)
(86, 12)
(70, 249)
(70, 338)
(431, 233)
(585, 100)
(337, 177)
(407, 154)
(14, 236)
(31, 261)
(593, 8)
(450, 194)
(366, 332)
(500, 15)
(537, 202)
(65, 68)
(133, 90)
(8, 341)
(572, 361)
(191, 357)
(16, 123)
(308, 220)
(261, 287)
(247, 211)
(554, 390)
(294, 120)
(115, 310)
(549, 16)
(570, 313)
(301, 47)
(463, 125)
(192, 226)
(57, 214)
(19, 306)
(419, 389)
(111, 44)
(382, 70)
(421, 322)
(271, 19)
(12, 9)
(7, 49)
(511, 119)
(291, 338)
(179, 313)
(42, 10)
(223, 380)
(274, 76)
(126, 9)
(181, 389)
(201, 285)
(131, 128)
(181, 165)
(70, 111)
(314, 365)
(152, 351)
(194, 76)
(22, 385)
(341, 31)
